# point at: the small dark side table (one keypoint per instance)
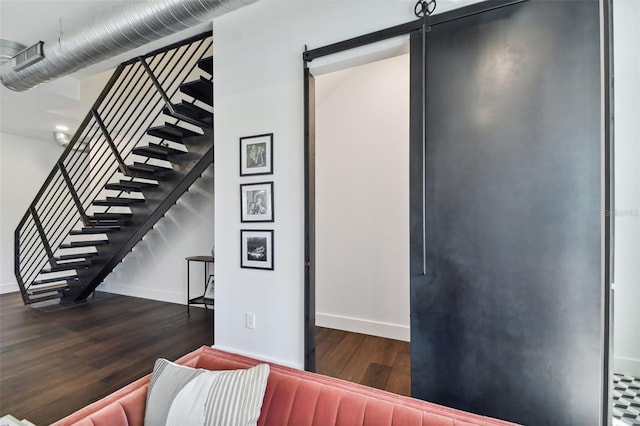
(208, 281)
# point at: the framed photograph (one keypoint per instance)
(256, 202)
(256, 249)
(256, 155)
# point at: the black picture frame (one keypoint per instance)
(256, 155)
(256, 249)
(256, 202)
(210, 289)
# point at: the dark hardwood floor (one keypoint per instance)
(373, 361)
(53, 363)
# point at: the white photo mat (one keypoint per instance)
(256, 249)
(256, 202)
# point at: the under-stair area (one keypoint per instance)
(146, 140)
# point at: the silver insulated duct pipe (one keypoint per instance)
(132, 25)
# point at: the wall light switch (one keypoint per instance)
(251, 320)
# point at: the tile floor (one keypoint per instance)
(626, 400)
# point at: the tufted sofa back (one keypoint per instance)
(293, 397)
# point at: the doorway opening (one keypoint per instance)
(626, 214)
(482, 254)
(361, 213)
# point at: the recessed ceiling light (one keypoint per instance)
(62, 128)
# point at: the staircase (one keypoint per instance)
(146, 140)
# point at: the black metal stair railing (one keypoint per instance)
(116, 151)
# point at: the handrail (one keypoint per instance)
(72, 191)
(184, 42)
(122, 166)
(43, 236)
(101, 147)
(74, 139)
(159, 88)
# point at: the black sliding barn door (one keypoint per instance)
(506, 303)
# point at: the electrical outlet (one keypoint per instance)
(251, 320)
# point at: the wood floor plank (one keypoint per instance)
(128, 373)
(53, 363)
(376, 376)
(69, 358)
(326, 342)
(400, 377)
(340, 355)
(355, 369)
(375, 361)
(67, 402)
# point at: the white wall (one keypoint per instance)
(259, 89)
(156, 267)
(362, 199)
(626, 15)
(24, 165)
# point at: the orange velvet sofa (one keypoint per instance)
(293, 397)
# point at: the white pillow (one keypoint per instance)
(180, 396)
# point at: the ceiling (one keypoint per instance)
(36, 113)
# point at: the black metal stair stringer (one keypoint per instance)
(171, 198)
(120, 120)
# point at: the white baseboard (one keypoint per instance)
(145, 293)
(10, 287)
(627, 366)
(160, 295)
(295, 365)
(357, 325)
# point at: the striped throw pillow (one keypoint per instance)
(181, 396)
